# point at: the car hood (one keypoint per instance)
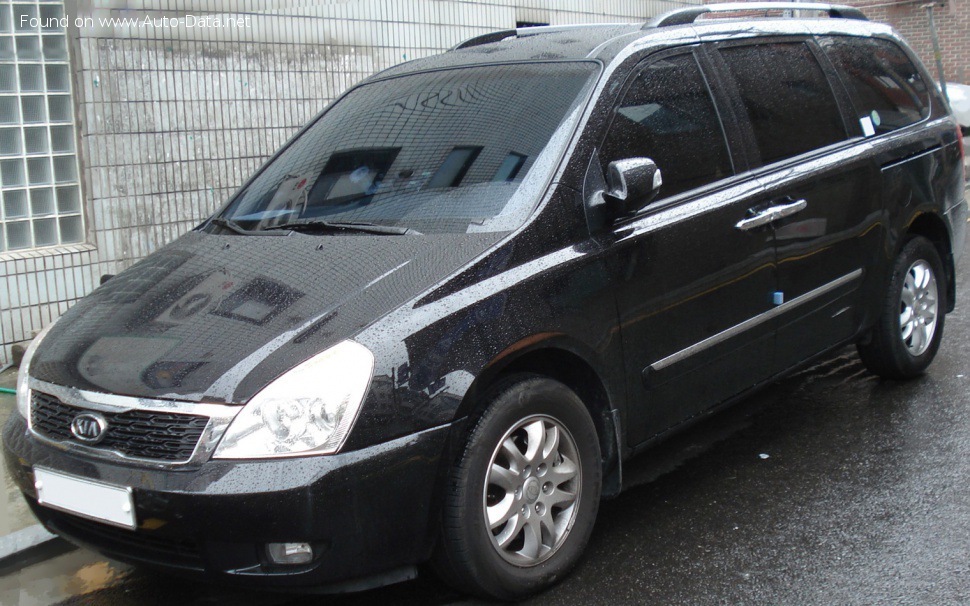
(216, 318)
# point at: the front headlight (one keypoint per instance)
(308, 410)
(23, 390)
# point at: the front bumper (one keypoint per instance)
(365, 512)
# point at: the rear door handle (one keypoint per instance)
(786, 210)
(772, 213)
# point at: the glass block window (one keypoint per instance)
(40, 201)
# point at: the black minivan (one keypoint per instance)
(436, 323)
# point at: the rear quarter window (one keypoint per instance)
(887, 90)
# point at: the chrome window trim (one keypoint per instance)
(220, 416)
(761, 318)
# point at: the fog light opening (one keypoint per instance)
(289, 553)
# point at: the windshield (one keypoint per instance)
(443, 151)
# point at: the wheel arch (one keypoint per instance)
(933, 228)
(561, 363)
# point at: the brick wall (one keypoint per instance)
(953, 29)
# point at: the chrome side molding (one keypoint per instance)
(761, 318)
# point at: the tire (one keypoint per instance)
(496, 476)
(909, 329)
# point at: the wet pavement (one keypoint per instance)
(14, 514)
(830, 487)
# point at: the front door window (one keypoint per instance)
(668, 115)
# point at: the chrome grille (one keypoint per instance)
(142, 434)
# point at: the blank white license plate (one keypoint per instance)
(86, 498)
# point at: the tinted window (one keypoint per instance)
(787, 98)
(886, 88)
(443, 151)
(668, 115)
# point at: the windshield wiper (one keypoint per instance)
(369, 228)
(230, 225)
(237, 228)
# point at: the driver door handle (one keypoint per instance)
(772, 213)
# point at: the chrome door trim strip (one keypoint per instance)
(761, 318)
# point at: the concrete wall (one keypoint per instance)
(171, 120)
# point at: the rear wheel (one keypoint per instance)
(523, 495)
(908, 332)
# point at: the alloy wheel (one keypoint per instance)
(532, 490)
(918, 308)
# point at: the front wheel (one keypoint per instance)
(909, 329)
(523, 495)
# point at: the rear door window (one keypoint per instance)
(886, 88)
(668, 115)
(787, 97)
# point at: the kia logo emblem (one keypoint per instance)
(89, 427)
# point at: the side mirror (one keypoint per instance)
(633, 183)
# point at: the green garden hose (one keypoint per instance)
(8, 390)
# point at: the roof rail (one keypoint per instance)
(486, 39)
(525, 32)
(683, 16)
